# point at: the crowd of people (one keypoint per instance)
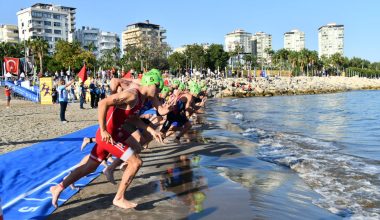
(137, 111)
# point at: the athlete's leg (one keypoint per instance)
(86, 141)
(79, 172)
(134, 164)
(133, 140)
(185, 128)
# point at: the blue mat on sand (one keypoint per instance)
(27, 174)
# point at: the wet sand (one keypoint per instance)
(216, 181)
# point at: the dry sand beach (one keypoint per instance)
(26, 123)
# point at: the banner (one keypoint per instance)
(46, 86)
(27, 65)
(11, 65)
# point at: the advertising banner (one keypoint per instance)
(46, 86)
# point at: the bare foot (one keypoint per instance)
(55, 192)
(84, 143)
(109, 175)
(124, 204)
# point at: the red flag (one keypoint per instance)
(83, 74)
(127, 75)
(11, 65)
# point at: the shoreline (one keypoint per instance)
(282, 86)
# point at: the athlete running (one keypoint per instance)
(110, 137)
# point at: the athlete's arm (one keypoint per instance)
(163, 109)
(123, 98)
(189, 107)
(140, 124)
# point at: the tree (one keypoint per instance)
(337, 60)
(91, 47)
(72, 55)
(39, 47)
(216, 57)
(177, 60)
(196, 54)
(280, 58)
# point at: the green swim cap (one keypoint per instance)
(176, 82)
(195, 90)
(204, 89)
(156, 71)
(191, 84)
(165, 89)
(202, 83)
(182, 87)
(150, 79)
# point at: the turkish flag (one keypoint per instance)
(11, 65)
(83, 74)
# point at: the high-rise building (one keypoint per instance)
(108, 41)
(143, 33)
(9, 33)
(261, 43)
(100, 41)
(238, 38)
(88, 37)
(294, 40)
(48, 21)
(330, 39)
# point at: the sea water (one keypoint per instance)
(331, 141)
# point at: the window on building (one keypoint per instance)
(50, 39)
(57, 32)
(46, 15)
(36, 14)
(47, 23)
(57, 16)
(57, 24)
(48, 31)
(57, 39)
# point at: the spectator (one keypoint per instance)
(92, 93)
(102, 92)
(82, 95)
(22, 76)
(63, 98)
(8, 96)
(97, 95)
(54, 95)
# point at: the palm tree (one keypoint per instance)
(91, 47)
(39, 47)
(313, 59)
(293, 59)
(337, 60)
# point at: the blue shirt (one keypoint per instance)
(62, 93)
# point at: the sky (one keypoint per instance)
(208, 21)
